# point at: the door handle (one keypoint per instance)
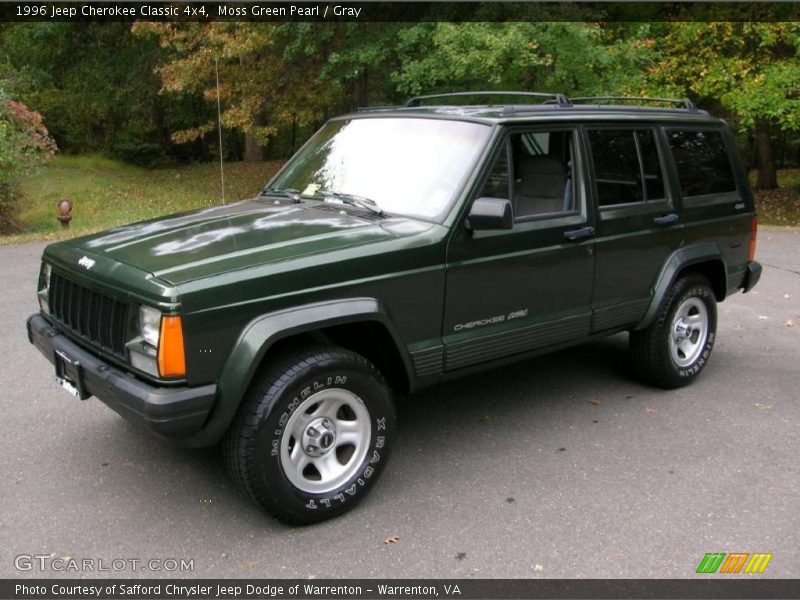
(579, 234)
(666, 219)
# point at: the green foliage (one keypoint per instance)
(95, 82)
(142, 154)
(750, 70)
(24, 145)
(572, 58)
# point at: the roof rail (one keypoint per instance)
(558, 99)
(682, 102)
(368, 109)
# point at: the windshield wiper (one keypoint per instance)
(353, 200)
(290, 193)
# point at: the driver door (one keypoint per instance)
(512, 291)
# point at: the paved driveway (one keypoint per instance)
(560, 467)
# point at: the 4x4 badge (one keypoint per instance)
(86, 262)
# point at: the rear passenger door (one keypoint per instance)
(637, 222)
(716, 201)
(511, 291)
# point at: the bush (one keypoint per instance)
(25, 143)
(142, 154)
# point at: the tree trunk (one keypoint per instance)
(294, 133)
(360, 91)
(253, 151)
(767, 173)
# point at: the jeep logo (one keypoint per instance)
(86, 262)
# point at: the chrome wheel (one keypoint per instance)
(325, 440)
(689, 332)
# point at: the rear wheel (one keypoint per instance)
(673, 350)
(313, 435)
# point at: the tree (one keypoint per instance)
(95, 83)
(566, 57)
(750, 70)
(273, 77)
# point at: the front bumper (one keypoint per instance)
(174, 412)
(751, 276)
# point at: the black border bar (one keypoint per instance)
(714, 586)
(311, 11)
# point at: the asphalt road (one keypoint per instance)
(564, 466)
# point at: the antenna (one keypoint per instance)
(219, 128)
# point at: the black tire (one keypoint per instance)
(279, 411)
(657, 357)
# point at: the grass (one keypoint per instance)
(106, 193)
(781, 206)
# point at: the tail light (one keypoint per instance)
(751, 255)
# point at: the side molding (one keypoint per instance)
(262, 332)
(679, 260)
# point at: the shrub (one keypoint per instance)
(142, 154)
(25, 144)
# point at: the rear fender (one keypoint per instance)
(677, 262)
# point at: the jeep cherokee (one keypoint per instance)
(399, 248)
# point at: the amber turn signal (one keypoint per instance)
(171, 357)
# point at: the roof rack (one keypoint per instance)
(368, 109)
(681, 102)
(557, 99)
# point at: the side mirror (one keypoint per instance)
(490, 213)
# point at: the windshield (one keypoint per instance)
(407, 166)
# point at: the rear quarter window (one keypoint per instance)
(702, 162)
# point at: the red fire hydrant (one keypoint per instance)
(64, 212)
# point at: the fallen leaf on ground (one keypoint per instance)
(650, 409)
(788, 323)
(596, 401)
(761, 406)
(392, 539)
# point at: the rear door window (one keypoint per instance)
(627, 168)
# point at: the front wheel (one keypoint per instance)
(673, 350)
(313, 435)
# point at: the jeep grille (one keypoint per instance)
(91, 315)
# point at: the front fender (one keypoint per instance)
(260, 335)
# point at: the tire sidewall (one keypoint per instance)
(270, 481)
(690, 288)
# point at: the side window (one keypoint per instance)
(626, 166)
(651, 166)
(701, 160)
(543, 173)
(496, 185)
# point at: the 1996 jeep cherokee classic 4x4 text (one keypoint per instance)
(401, 247)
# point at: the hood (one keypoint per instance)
(219, 239)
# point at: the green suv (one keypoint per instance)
(399, 248)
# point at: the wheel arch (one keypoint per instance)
(341, 322)
(704, 259)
